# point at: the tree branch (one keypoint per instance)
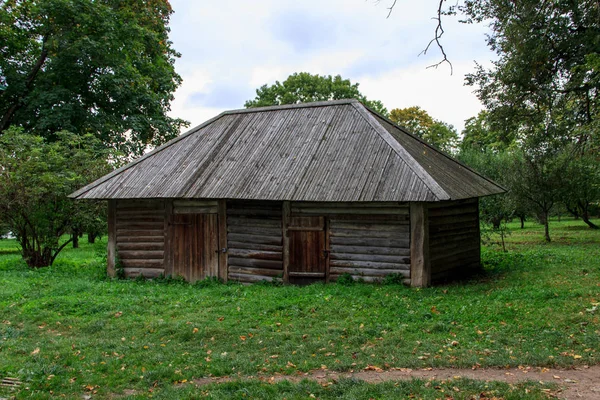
(439, 32)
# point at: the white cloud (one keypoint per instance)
(231, 47)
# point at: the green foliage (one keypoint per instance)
(35, 179)
(421, 124)
(100, 67)
(304, 87)
(345, 279)
(478, 135)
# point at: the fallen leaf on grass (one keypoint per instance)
(118, 314)
(373, 368)
(36, 351)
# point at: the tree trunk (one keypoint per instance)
(586, 218)
(547, 226)
(522, 218)
(91, 238)
(75, 236)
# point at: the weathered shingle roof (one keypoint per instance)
(324, 151)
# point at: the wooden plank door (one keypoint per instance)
(308, 253)
(195, 246)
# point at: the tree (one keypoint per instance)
(582, 187)
(420, 123)
(36, 175)
(104, 67)
(304, 87)
(479, 135)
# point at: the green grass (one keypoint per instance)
(68, 330)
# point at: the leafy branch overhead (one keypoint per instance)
(100, 67)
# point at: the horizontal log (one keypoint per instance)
(249, 278)
(256, 254)
(368, 279)
(442, 239)
(141, 254)
(249, 238)
(459, 265)
(254, 246)
(454, 203)
(196, 210)
(135, 224)
(141, 246)
(139, 204)
(375, 219)
(195, 203)
(370, 227)
(255, 230)
(310, 204)
(464, 227)
(305, 228)
(254, 212)
(254, 271)
(129, 263)
(370, 257)
(145, 272)
(368, 264)
(271, 223)
(139, 232)
(448, 254)
(453, 219)
(142, 218)
(368, 271)
(400, 251)
(301, 274)
(402, 242)
(349, 211)
(454, 245)
(141, 239)
(338, 232)
(249, 262)
(442, 212)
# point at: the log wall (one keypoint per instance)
(254, 241)
(365, 240)
(454, 241)
(140, 237)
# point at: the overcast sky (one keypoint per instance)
(231, 47)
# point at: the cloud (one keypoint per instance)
(303, 31)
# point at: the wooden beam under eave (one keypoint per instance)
(111, 248)
(223, 257)
(285, 222)
(420, 262)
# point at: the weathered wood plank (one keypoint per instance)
(301, 274)
(223, 245)
(369, 250)
(136, 224)
(249, 278)
(376, 227)
(337, 232)
(145, 272)
(248, 238)
(249, 262)
(456, 254)
(135, 205)
(270, 223)
(195, 203)
(168, 238)
(348, 211)
(459, 219)
(370, 257)
(138, 254)
(442, 212)
(196, 210)
(420, 263)
(369, 272)
(255, 230)
(135, 239)
(369, 279)
(368, 265)
(256, 254)
(401, 242)
(111, 250)
(254, 271)
(254, 212)
(142, 263)
(299, 204)
(141, 246)
(255, 246)
(139, 232)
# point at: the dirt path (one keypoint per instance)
(578, 383)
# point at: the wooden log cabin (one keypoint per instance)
(303, 193)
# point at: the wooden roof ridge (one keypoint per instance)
(410, 161)
(133, 163)
(312, 104)
(443, 153)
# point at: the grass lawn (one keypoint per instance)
(67, 330)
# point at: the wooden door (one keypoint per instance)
(195, 246)
(308, 253)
